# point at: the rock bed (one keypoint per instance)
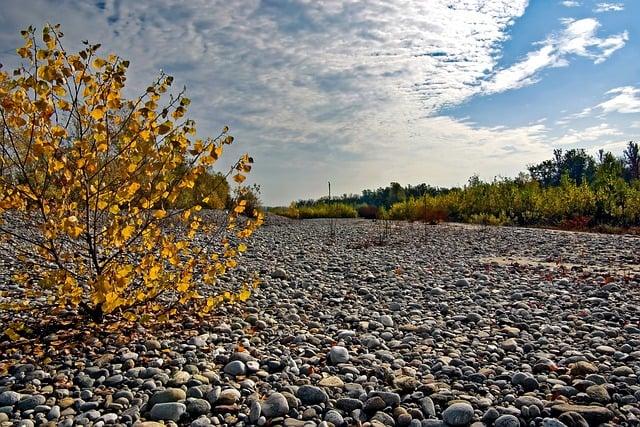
(423, 330)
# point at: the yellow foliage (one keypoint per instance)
(101, 190)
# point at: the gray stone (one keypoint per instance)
(54, 413)
(311, 395)
(338, 354)
(202, 421)
(279, 273)
(427, 406)
(113, 380)
(235, 368)
(386, 320)
(334, 417)
(9, 398)
(507, 421)
(390, 399)
(348, 404)
(552, 422)
(255, 411)
(458, 414)
(593, 414)
(197, 407)
(168, 411)
(383, 418)
(168, 395)
(275, 405)
(30, 402)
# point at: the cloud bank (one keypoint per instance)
(338, 88)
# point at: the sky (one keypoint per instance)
(362, 93)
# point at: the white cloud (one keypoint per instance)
(608, 7)
(570, 3)
(615, 147)
(624, 100)
(338, 89)
(578, 38)
(589, 134)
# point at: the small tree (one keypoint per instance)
(632, 160)
(88, 180)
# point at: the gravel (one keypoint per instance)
(450, 324)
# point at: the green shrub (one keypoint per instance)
(327, 210)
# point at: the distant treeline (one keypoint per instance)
(573, 190)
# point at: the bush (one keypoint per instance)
(326, 210)
(289, 212)
(368, 212)
(91, 177)
(608, 201)
(209, 185)
(251, 197)
(489, 219)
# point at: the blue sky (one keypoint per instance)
(367, 92)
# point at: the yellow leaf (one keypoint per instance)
(239, 178)
(154, 272)
(23, 52)
(242, 247)
(160, 213)
(59, 90)
(124, 271)
(130, 316)
(58, 132)
(128, 231)
(99, 63)
(244, 294)
(97, 113)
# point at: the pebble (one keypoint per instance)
(458, 414)
(338, 354)
(235, 368)
(507, 421)
(462, 324)
(276, 405)
(168, 411)
(310, 395)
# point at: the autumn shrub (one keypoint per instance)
(489, 219)
(368, 211)
(326, 210)
(610, 201)
(429, 209)
(92, 187)
(290, 211)
(251, 197)
(209, 185)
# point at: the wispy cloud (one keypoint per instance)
(589, 134)
(570, 3)
(608, 7)
(338, 88)
(623, 100)
(577, 39)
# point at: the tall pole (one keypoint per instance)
(329, 191)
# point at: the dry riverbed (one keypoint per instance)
(443, 325)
